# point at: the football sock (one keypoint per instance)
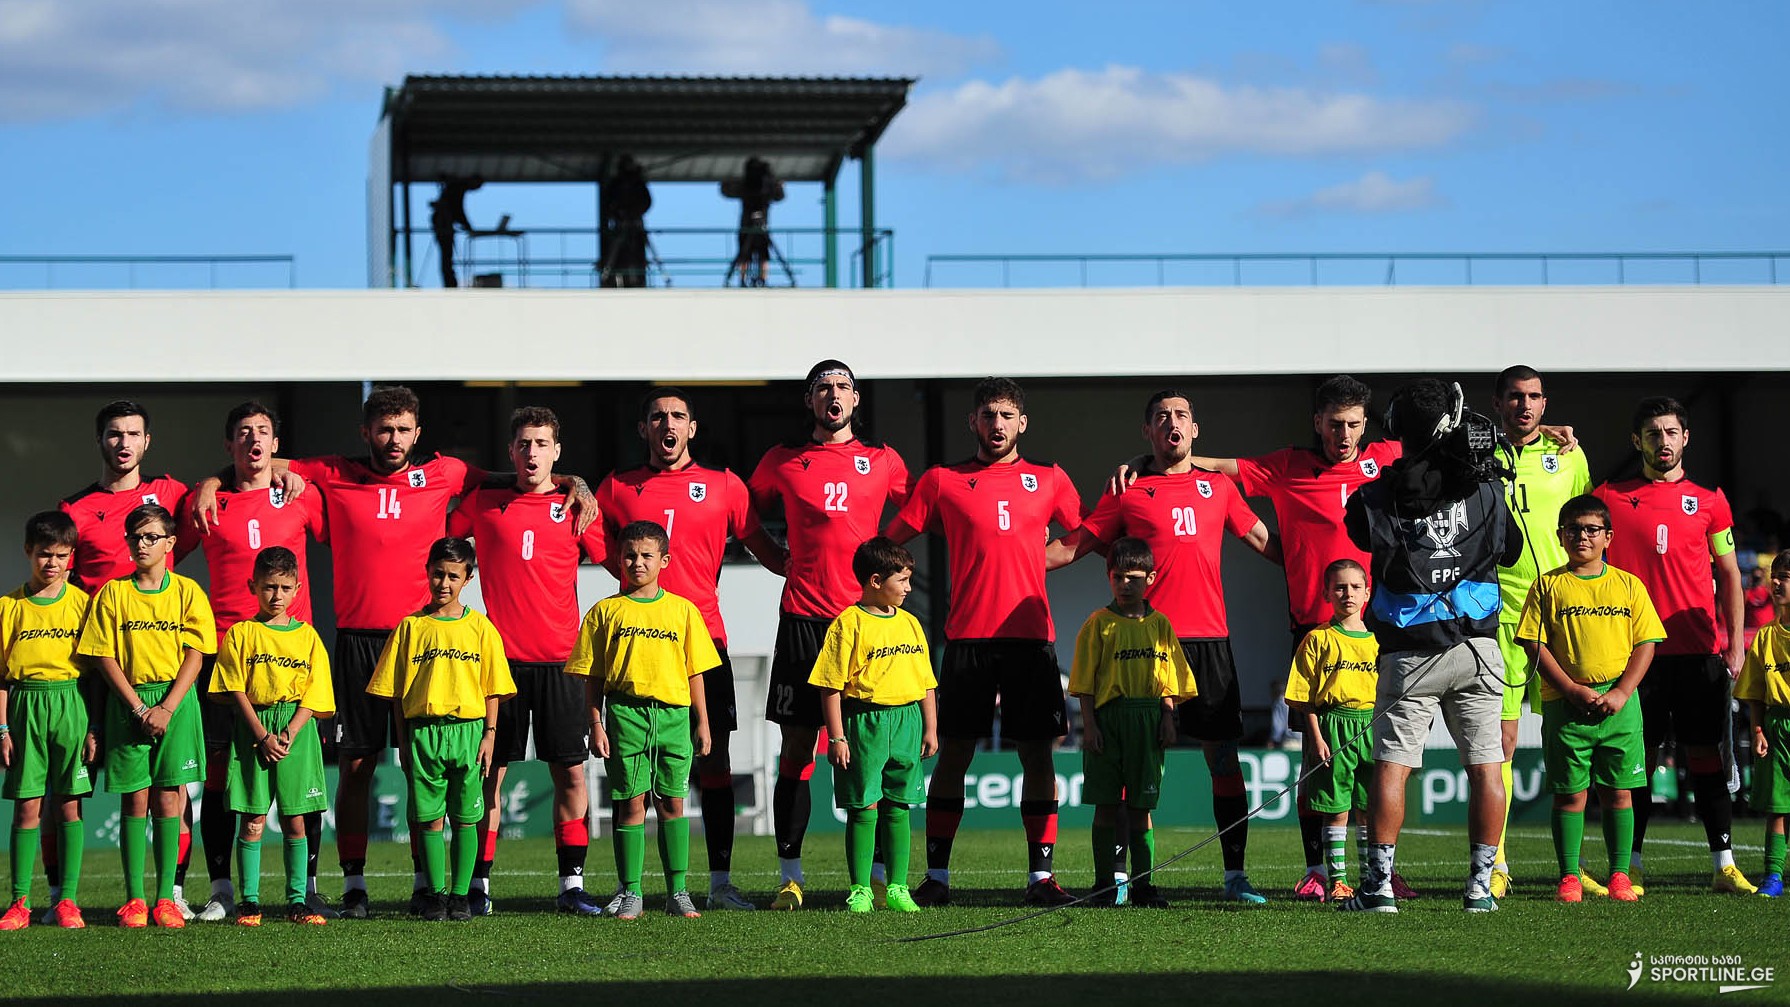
(1715, 807)
(571, 845)
(1721, 858)
(297, 851)
(1376, 870)
(419, 865)
(313, 844)
(351, 847)
(1103, 856)
(24, 858)
(791, 806)
(716, 792)
(1504, 823)
(167, 855)
(1619, 836)
(466, 856)
(943, 816)
(674, 853)
(52, 867)
(879, 866)
(1479, 864)
(1774, 852)
(1121, 842)
(217, 830)
(1336, 841)
(1642, 799)
(183, 856)
(248, 867)
(486, 855)
(1569, 838)
(433, 847)
(1311, 835)
(1040, 818)
(74, 844)
(1230, 808)
(630, 855)
(133, 843)
(860, 839)
(1143, 854)
(1361, 849)
(895, 834)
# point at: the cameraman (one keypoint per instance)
(1437, 527)
(756, 189)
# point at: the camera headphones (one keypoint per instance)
(1448, 423)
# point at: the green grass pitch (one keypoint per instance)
(1202, 950)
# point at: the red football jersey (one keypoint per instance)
(380, 531)
(996, 522)
(833, 497)
(528, 550)
(1661, 534)
(1183, 517)
(100, 554)
(248, 522)
(699, 508)
(1309, 495)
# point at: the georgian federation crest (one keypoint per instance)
(1204, 486)
(557, 511)
(863, 464)
(418, 479)
(1550, 464)
(1370, 468)
(1029, 481)
(148, 498)
(276, 495)
(699, 492)
(1689, 503)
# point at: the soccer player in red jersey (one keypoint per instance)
(699, 508)
(529, 549)
(1183, 511)
(832, 487)
(254, 513)
(122, 428)
(995, 512)
(1667, 531)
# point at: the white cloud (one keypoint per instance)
(62, 58)
(1374, 192)
(1075, 125)
(767, 37)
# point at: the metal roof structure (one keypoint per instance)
(680, 129)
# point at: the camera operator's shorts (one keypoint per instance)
(1686, 696)
(1465, 682)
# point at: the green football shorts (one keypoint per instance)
(1342, 785)
(1128, 768)
(1520, 681)
(295, 782)
(49, 734)
(444, 770)
(1583, 749)
(135, 761)
(649, 748)
(1771, 775)
(885, 755)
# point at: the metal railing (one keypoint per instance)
(1356, 269)
(152, 272)
(572, 257)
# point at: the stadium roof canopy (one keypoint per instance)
(680, 129)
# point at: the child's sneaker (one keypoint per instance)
(18, 917)
(68, 915)
(626, 905)
(860, 899)
(248, 914)
(932, 894)
(179, 900)
(1500, 882)
(728, 897)
(1401, 889)
(1368, 902)
(167, 914)
(133, 914)
(1311, 889)
(1571, 889)
(1592, 886)
(459, 909)
(901, 900)
(1145, 895)
(1730, 880)
(789, 896)
(1046, 892)
(1620, 889)
(1773, 886)
(1238, 889)
(304, 915)
(1340, 890)
(679, 904)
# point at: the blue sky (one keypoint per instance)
(241, 126)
